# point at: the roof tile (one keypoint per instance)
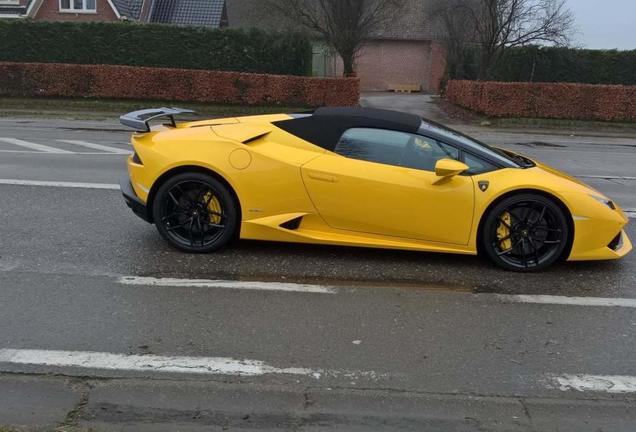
(180, 12)
(188, 12)
(129, 8)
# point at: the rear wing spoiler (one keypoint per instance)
(140, 120)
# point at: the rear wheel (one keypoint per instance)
(195, 212)
(525, 232)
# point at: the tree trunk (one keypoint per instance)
(348, 56)
(348, 62)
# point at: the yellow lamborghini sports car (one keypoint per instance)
(360, 177)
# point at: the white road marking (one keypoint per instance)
(20, 151)
(93, 146)
(167, 364)
(59, 184)
(569, 301)
(7, 266)
(147, 363)
(226, 284)
(596, 383)
(606, 177)
(34, 146)
(71, 153)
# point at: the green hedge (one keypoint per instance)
(155, 45)
(567, 65)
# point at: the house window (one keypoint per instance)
(78, 6)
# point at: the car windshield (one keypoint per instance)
(472, 142)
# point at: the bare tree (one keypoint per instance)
(343, 24)
(499, 25)
(454, 21)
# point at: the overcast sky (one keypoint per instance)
(605, 23)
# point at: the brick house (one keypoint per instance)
(73, 10)
(406, 52)
(210, 13)
(60, 10)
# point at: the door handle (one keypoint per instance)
(322, 177)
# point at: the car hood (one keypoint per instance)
(562, 175)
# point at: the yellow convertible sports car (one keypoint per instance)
(360, 177)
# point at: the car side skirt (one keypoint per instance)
(312, 230)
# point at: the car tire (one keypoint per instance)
(195, 212)
(525, 233)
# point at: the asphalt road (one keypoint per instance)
(373, 340)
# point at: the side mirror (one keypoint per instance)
(447, 168)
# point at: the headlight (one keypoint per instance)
(609, 203)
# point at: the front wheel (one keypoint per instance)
(525, 232)
(195, 213)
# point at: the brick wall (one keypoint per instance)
(50, 11)
(397, 62)
(385, 63)
(437, 68)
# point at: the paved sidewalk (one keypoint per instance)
(416, 103)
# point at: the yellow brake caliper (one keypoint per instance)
(504, 233)
(214, 206)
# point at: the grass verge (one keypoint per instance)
(100, 109)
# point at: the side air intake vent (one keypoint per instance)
(136, 159)
(293, 224)
(256, 138)
(616, 243)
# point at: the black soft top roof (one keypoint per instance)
(326, 125)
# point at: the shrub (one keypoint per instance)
(129, 82)
(155, 45)
(553, 64)
(545, 100)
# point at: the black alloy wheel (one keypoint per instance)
(526, 232)
(195, 212)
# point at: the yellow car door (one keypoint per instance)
(369, 184)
